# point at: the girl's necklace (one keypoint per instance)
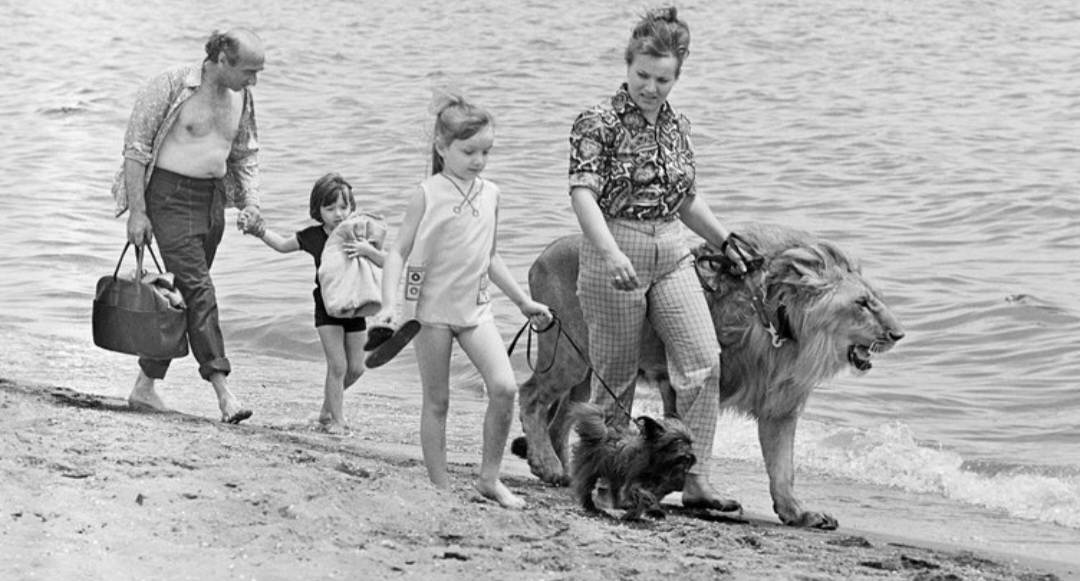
(466, 197)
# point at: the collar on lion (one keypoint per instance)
(779, 332)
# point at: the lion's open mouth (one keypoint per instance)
(859, 357)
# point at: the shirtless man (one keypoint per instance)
(191, 147)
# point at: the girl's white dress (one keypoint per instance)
(446, 279)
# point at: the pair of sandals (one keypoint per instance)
(384, 342)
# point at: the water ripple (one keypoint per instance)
(934, 140)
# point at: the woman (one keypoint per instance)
(631, 183)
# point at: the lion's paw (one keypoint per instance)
(549, 473)
(543, 463)
(557, 480)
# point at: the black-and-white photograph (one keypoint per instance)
(343, 289)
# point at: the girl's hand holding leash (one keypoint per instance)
(539, 314)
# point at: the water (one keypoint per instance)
(933, 139)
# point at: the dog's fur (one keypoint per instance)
(641, 466)
(837, 321)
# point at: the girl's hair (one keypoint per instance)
(327, 191)
(660, 33)
(455, 118)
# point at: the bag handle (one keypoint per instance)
(138, 259)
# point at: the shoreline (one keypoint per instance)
(121, 494)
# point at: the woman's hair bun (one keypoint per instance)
(668, 14)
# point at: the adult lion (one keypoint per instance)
(815, 316)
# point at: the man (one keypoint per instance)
(191, 146)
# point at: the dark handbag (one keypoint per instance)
(134, 317)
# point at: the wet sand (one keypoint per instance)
(93, 490)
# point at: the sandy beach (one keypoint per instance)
(91, 490)
(935, 141)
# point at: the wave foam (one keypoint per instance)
(890, 455)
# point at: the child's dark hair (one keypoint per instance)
(455, 118)
(660, 33)
(327, 191)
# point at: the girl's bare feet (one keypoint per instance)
(500, 493)
(336, 429)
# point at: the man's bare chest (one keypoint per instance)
(207, 115)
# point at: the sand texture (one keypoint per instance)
(91, 490)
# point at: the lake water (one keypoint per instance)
(934, 139)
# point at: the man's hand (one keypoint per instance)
(250, 221)
(139, 230)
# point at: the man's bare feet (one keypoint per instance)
(231, 410)
(143, 397)
(500, 493)
(237, 416)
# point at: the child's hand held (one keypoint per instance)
(250, 221)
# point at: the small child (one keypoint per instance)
(448, 236)
(342, 339)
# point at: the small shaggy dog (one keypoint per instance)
(640, 466)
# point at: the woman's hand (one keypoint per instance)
(618, 269)
(731, 251)
(621, 272)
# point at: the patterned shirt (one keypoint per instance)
(157, 107)
(636, 170)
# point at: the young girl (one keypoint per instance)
(342, 339)
(448, 237)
